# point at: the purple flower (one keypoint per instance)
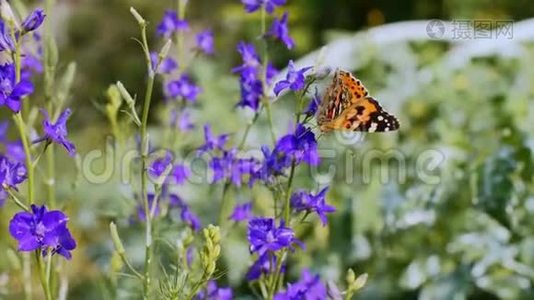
(265, 264)
(264, 236)
(158, 167)
(309, 287)
(166, 66)
(182, 120)
(270, 5)
(180, 173)
(183, 87)
(4, 126)
(251, 60)
(170, 24)
(15, 151)
(213, 292)
(6, 43)
(34, 20)
(3, 197)
(302, 201)
(251, 92)
(314, 104)
(31, 65)
(241, 212)
(280, 31)
(205, 42)
(229, 167)
(141, 215)
(212, 142)
(190, 218)
(274, 164)
(57, 132)
(11, 173)
(44, 230)
(11, 92)
(295, 79)
(271, 73)
(301, 145)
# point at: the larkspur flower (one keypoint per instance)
(205, 42)
(31, 65)
(213, 292)
(158, 167)
(171, 24)
(34, 20)
(11, 92)
(183, 87)
(295, 79)
(6, 42)
(212, 142)
(15, 151)
(184, 122)
(254, 5)
(264, 265)
(167, 65)
(242, 212)
(274, 163)
(57, 132)
(271, 72)
(141, 215)
(264, 236)
(279, 30)
(191, 219)
(300, 145)
(180, 173)
(4, 126)
(309, 287)
(251, 92)
(42, 229)
(303, 201)
(11, 173)
(187, 216)
(314, 104)
(230, 167)
(251, 60)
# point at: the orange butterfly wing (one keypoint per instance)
(347, 106)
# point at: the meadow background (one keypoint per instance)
(462, 230)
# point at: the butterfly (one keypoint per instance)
(347, 105)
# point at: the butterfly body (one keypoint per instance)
(347, 105)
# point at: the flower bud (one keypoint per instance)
(137, 17)
(34, 20)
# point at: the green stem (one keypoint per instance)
(144, 157)
(29, 165)
(17, 200)
(266, 101)
(43, 275)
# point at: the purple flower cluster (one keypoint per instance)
(264, 236)
(309, 287)
(43, 230)
(183, 88)
(269, 5)
(299, 146)
(303, 201)
(213, 292)
(170, 24)
(179, 172)
(250, 77)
